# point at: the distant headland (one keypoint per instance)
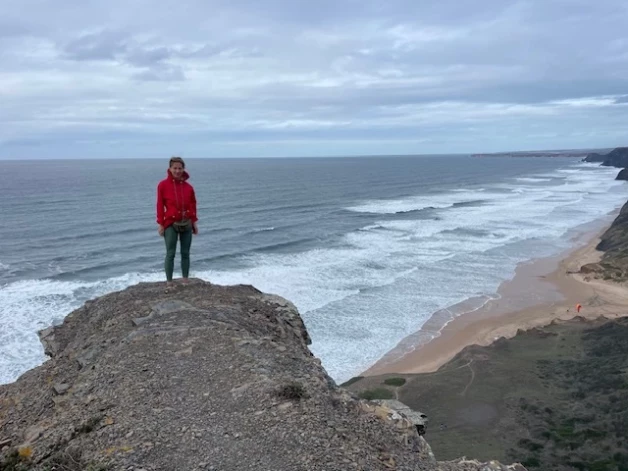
(579, 153)
(618, 157)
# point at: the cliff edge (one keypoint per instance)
(618, 157)
(202, 377)
(614, 244)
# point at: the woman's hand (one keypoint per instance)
(194, 228)
(160, 230)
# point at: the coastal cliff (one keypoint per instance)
(614, 244)
(594, 157)
(199, 377)
(553, 397)
(618, 157)
(622, 175)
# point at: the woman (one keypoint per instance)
(176, 216)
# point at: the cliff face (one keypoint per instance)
(622, 175)
(616, 158)
(199, 377)
(614, 244)
(594, 157)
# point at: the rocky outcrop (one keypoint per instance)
(201, 377)
(614, 244)
(594, 157)
(400, 411)
(622, 175)
(618, 157)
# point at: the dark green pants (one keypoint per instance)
(171, 236)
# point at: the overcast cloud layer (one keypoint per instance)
(140, 78)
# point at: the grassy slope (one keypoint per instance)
(555, 398)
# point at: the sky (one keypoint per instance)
(278, 78)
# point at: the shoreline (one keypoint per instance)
(541, 291)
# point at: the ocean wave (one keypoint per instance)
(261, 229)
(533, 179)
(53, 241)
(453, 205)
(291, 244)
(372, 227)
(95, 268)
(31, 305)
(418, 203)
(570, 171)
(377, 283)
(470, 203)
(411, 211)
(383, 226)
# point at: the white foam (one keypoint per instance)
(4, 266)
(379, 283)
(440, 259)
(533, 179)
(417, 203)
(29, 306)
(391, 275)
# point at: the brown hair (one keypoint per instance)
(176, 160)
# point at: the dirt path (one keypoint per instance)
(464, 392)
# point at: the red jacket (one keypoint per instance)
(175, 200)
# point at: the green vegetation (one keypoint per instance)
(293, 391)
(592, 423)
(353, 380)
(71, 461)
(13, 462)
(61, 461)
(395, 381)
(376, 393)
(90, 424)
(552, 399)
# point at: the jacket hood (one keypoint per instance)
(184, 177)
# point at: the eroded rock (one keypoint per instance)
(199, 377)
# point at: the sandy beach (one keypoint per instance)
(541, 291)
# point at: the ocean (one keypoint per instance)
(367, 248)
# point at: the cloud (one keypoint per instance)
(13, 28)
(104, 45)
(438, 76)
(161, 74)
(146, 57)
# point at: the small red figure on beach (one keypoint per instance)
(578, 307)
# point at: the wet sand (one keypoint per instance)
(541, 291)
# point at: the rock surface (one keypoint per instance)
(400, 411)
(201, 377)
(618, 157)
(622, 175)
(614, 244)
(595, 157)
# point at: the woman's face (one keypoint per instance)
(176, 169)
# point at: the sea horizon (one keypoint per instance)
(305, 156)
